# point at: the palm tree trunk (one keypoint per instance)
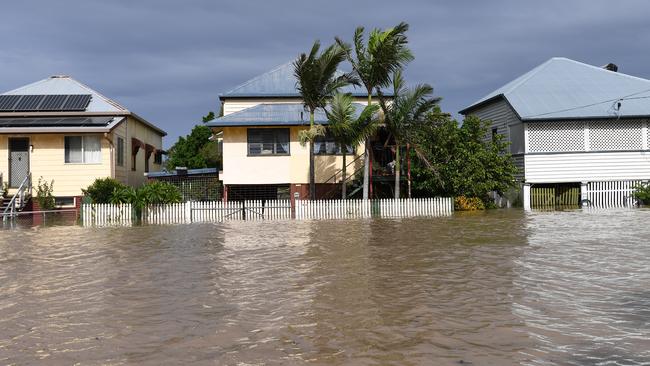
(343, 182)
(366, 161)
(397, 170)
(312, 173)
(366, 170)
(408, 168)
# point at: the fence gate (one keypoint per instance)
(555, 196)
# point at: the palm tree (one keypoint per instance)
(318, 79)
(385, 53)
(349, 130)
(406, 114)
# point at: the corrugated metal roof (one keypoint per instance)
(564, 88)
(280, 82)
(66, 85)
(273, 114)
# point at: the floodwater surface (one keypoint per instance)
(496, 288)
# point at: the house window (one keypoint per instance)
(146, 162)
(120, 151)
(83, 150)
(268, 141)
(157, 158)
(64, 201)
(495, 132)
(327, 145)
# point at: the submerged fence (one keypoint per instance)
(217, 211)
(612, 194)
(385, 208)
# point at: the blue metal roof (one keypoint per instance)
(280, 82)
(562, 88)
(273, 114)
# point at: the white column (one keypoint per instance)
(526, 192)
(583, 192)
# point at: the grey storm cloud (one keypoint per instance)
(169, 60)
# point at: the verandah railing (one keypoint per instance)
(217, 211)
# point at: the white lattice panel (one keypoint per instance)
(556, 136)
(615, 135)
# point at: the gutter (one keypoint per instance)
(104, 129)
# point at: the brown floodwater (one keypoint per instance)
(496, 288)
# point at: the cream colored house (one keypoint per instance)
(59, 129)
(262, 157)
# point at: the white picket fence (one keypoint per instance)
(384, 208)
(612, 194)
(255, 210)
(107, 215)
(216, 211)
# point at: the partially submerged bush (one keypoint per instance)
(462, 203)
(642, 193)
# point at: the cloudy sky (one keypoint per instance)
(169, 60)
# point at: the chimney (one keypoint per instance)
(611, 67)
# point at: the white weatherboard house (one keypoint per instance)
(574, 126)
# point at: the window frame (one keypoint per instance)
(120, 155)
(83, 150)
(276, 141)
(58, 201)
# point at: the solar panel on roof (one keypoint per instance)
(7, 102)
(29, 103)
(53, 102)
(44, 103)
(77, 102)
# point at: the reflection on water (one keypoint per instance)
(494, 288)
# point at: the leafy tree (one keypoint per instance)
(408, 113)
(349, 130)
(317, 80)
(208, 117)
(195, 150)
(466, 162)
(374, 63)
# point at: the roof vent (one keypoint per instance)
(59, 76)
(611, 67)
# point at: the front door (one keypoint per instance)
(18, 160)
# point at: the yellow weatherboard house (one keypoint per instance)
(262, 157)
(61, 130)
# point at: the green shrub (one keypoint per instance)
(462, 203)
(158, 192)
(44, 195)
(107, 190)
(642, 193)
(102, 190)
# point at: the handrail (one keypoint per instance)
(20, 195)
(346, 166)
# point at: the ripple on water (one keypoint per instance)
(501, 287)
